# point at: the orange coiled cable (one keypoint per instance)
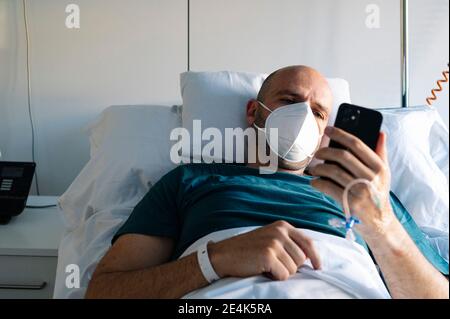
(433, 96)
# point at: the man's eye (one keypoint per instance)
(319, 115)
(288, 101)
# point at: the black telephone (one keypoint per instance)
(15, 184)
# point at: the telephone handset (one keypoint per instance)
(15, 184)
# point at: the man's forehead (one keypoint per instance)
(296, 79)
(300, 85)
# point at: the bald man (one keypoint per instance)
(146, 259)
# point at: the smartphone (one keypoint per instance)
(361, 122)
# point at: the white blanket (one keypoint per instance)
(347, 272)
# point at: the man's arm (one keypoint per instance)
(407, 273)
(136, 266)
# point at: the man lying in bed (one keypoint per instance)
(195, 200)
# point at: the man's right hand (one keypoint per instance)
(276, 250)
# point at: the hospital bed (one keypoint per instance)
(130, 150)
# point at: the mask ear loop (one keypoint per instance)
(269, 110)
(264, 106)
(263, 129)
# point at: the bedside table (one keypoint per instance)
(29, 251)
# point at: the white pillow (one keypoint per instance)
(419, 158)
(134, 122)
(130, 152)
(219, 99)
(130, 147)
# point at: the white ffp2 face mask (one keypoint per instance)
(298, 132)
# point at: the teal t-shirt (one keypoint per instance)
(197, 199)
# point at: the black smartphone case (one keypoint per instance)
(361, 122)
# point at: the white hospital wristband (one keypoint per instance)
(205, 264)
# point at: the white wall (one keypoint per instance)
(15, 142)
(429, 51)
(126, 52)
(131, 52)
(331, 35)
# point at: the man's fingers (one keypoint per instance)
(307, 245)
(294, 250)
(288, 262)
(347, 160)
(356, 146)
(277, 270)
(332, 171)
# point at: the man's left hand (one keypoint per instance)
(358, 161)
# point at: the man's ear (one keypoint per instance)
(252, 106)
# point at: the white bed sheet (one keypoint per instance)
(347, 272)
(86, 245)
